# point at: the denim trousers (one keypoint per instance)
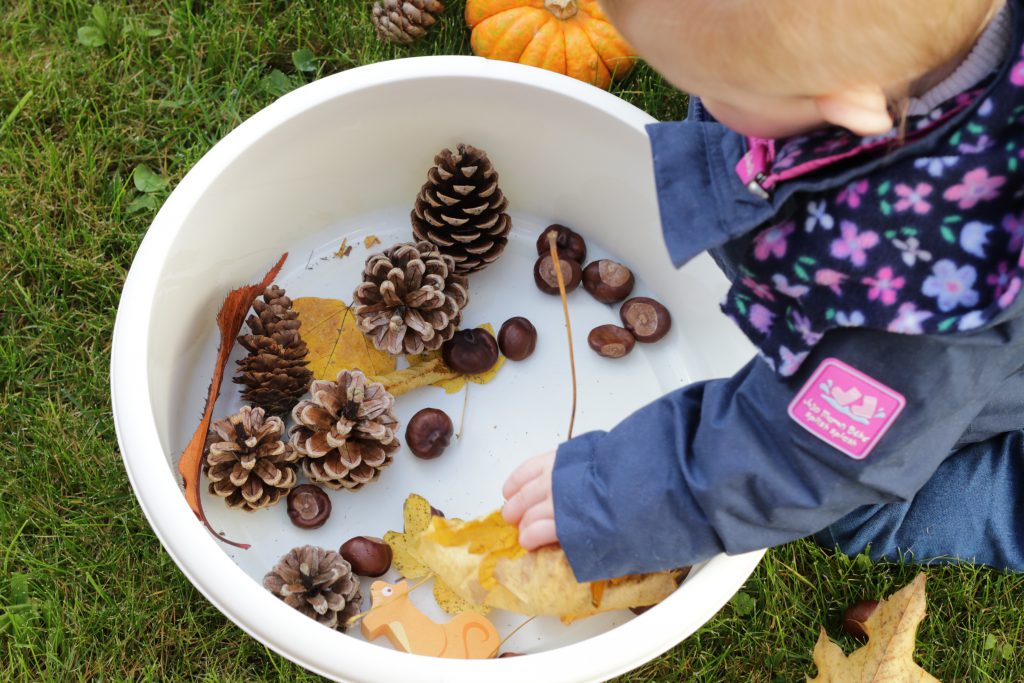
(971, 510)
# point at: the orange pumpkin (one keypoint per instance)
(571, 37)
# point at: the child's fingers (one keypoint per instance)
(526, 472)
(542, 510)
(539, 534)
(532, 493)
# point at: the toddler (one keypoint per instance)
(854, 167)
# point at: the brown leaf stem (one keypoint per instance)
(568, 326)
(229, 321)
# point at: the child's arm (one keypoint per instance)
(721, 466)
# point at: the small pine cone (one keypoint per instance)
(274, 373)
(346, 433)
(317, 582)
(405, 21)
(410, 300)
(247, 463)
(462, 210)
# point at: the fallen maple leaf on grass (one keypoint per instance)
(229, 321)
(889, 652)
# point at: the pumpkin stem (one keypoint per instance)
(563, 9)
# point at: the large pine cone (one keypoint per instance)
(346, 432)
(462, 210)
(274, 372)
(410, 300)
(404, 21)
(317, 582)
(247, 463)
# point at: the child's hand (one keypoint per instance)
(529, 503)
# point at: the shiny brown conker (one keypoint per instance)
(368, 555)
(855, 616)
(429, 432)
(308, 506)
(470, 351)
(517, 338)
(608, 281)
(568, 243)
(547, 280)
(647, 319)
(611, 341)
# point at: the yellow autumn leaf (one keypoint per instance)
(889, 652)
(417, 514)
(529, 583)
(334, 340)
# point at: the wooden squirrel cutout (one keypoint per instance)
(469, 635)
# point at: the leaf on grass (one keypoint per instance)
(417, 514)
(304, 60)
(334, 340)
(889, 652)
(91, 36)
(146, 180)
(142, 202)
(529, 583)
(229, 321)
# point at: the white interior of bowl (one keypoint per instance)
(343, 158)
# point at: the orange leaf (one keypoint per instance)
(334, 340)
(229, 320)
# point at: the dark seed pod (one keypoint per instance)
(429, 433)
(517, 338)
(470, 351)
(647, 319)
(855, 616)
(368, 555)
(611, 341)
(568, 244)
(547, 280)
(607, 281)
(308, 506)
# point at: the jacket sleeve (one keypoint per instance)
(719, 466)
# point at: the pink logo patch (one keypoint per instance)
(845, 408)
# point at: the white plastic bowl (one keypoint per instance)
(344, 157)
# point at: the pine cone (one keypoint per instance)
(346, 432)
(404, 21)
(317, 582)
(410, 300)
(247, 463)
(274, 372)
(461, 209)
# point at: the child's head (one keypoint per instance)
(772, 68)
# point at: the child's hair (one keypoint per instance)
(810, 47)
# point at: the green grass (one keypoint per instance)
(86, 592)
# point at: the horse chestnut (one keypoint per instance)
(611, 341)
(607, 281)
(568, 243)
(855, 616)
(470, 351)
(517, 338)
(648, 320)
(308, 506)
(547, 280)
(368, 555)
(429, 432)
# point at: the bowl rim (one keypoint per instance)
(201, 558)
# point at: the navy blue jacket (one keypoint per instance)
(721, 465)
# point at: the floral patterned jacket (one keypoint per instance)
(880, 279)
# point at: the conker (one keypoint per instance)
(648, 320)
(607, 281)
(510, 654)
(640, 610)
(611, 341)
(568, 243)
(855, 616)
(470, 351)
(368, 555)
(308, 506)
(434, 512)
(547, 280)
(517, 338)
(429, 432)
